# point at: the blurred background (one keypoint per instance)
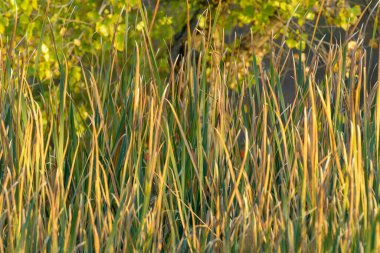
(89, 32)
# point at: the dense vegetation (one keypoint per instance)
(129, 126)
(82, 29)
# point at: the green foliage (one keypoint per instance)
(86, 27)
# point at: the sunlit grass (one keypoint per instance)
(181, 165)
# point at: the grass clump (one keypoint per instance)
(180, 164)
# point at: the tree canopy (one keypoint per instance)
(87, 28)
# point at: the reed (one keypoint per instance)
(178, 164)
